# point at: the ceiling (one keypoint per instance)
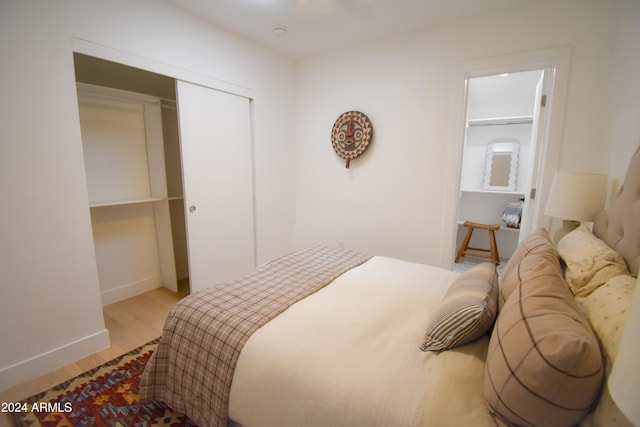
(316, 26)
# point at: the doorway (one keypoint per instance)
(505, 124)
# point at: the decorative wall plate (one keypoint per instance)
(351, 135)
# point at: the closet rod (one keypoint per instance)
(519, 120)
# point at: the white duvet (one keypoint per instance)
(349, 356)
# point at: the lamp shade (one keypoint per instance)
(624, 381)
(576, 196)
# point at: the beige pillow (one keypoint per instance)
(467, 310)
(544, 365)
(608, 307)
(538, 241)
(590, 262)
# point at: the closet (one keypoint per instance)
(169, 179)
(123, 151)
(499, 130)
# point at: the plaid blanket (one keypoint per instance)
(192, 368)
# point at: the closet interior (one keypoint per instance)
(132, 161)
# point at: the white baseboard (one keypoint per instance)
(53, 359)
(130, 290)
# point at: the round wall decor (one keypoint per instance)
(351, 135)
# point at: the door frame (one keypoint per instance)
(557, 59)
(86, 47)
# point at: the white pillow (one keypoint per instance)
(589, 261)
(608, 307)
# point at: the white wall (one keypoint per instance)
(623, 119)
(50, 311)
(395, 199)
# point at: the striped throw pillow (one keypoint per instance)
(467, 310)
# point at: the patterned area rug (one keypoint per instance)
(104, 396)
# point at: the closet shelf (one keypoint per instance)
(124, 202)
(500, 193)
(497, 121)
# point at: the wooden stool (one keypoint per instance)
(492, 252)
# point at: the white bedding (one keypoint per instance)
(349, 356)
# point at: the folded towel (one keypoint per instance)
(512, 214)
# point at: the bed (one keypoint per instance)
(327, 336)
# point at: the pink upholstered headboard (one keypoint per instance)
(619, 225)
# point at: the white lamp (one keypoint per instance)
(624, 381)
(576, 197)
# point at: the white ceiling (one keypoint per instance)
(316, 26)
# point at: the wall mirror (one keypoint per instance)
(501, 166)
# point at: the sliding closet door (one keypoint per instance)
(215, 138)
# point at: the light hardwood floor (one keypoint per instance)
(131, 323)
